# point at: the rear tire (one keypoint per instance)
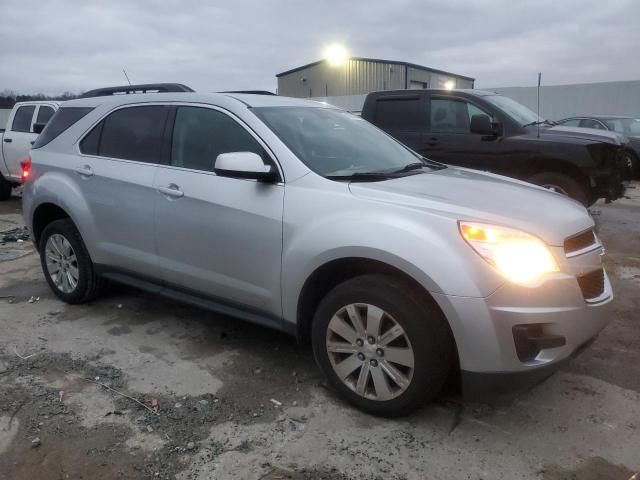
(66, 263)
(422, 352)
(5, 189)
(563, 184)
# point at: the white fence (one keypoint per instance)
(560, 101)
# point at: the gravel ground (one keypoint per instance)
(135, 386)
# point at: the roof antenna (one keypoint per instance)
(126, 76)
(539, 80)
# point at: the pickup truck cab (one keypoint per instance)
(26, 121)
(486, 131)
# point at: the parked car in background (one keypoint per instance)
(305, 218)
(486, 131)
(26, 121)
(627, 126)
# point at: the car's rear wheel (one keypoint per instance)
(383, 345)
(66, 263)
(563, 184)
(5, 189)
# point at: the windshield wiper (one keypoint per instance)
(363, 176)
(531, 124)
(409, 167)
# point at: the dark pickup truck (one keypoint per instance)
(486, 131)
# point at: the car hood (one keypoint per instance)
(589, 134)
(471, 195)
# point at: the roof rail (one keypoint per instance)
(143, 88)
(253, 92)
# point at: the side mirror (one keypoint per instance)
(38, 127)
(481, 124)
(247, 165)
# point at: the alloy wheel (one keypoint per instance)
(62, 263)
(370, 351)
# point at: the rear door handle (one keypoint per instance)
(8, 140)
(85, 171)
(172, 190)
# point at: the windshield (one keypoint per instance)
(334, 143)
(515, 110)
(629, 126)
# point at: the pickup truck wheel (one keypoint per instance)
(5, 189)
(66, 263)
(634, 165)
(562, 183)
(384, 347)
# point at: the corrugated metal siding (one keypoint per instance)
(561, 101)
(355, 77)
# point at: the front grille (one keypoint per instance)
(579, 242)
(592, 284)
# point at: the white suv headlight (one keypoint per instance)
(520, 257)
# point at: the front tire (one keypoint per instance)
(383, 345)
(563, 184)
(66, 264)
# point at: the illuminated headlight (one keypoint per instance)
(518, 256)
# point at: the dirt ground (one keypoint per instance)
(210, 397)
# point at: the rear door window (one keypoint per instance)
(399, 113)
(61, 120)
(131, 133)
(201, 134)
(22, 119)
(44, 114)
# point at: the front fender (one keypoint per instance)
(425, 246)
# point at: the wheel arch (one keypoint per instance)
(43, 215)
(558, 166)
(330, 274)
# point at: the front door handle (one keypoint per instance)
(8, 140)
(433, 141)
(172, 190)
(85, 171)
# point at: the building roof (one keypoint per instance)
(377, 60)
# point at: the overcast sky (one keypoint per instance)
(55, 46)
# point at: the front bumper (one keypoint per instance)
(484, 327)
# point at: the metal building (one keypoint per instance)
(359, 76)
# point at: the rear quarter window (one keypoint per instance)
(61, 121)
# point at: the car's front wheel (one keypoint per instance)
(383, 345)
(66, 263)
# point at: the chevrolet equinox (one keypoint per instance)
(301, 217)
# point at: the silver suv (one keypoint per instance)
(298, 216)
